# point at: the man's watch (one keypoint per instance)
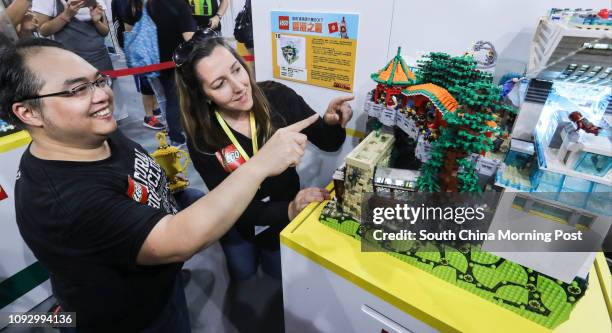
(220, 16)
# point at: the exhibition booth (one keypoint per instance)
(454, 101)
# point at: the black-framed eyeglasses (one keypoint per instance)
(181, 54)
(81, 90)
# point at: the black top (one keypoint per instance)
(172, 18)
(120, 9)
(86, 222)
(271, 202)
(202, 15)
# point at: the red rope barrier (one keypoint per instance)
(140, 70)
(152, 68)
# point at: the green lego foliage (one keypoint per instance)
(373, 124)
(467, 176)
(530, 294)
(468, 130)
(428, 180)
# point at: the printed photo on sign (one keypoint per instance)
(291, 57)
(292, 51)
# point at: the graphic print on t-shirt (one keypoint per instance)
(137, 191)
(201, 7)
(149, 185)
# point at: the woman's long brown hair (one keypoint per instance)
(197, 109)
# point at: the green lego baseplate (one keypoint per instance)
(530, 294)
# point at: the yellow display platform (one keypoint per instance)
(14, 140)
(429, 299)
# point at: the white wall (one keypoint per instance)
(453, 26)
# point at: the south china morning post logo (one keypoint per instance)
(461, 218)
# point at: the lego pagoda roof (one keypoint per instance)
(395, 73)
(439, 96)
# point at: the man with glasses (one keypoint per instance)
(95, 208)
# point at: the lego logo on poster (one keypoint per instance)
(283, 22)
(332, 27)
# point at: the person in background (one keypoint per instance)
(227, 116)
(149, 102)
(121, 9)
(208, 13)
(22, 18)
(28, 26)
(174, 25)
(95, 208)
(80, 25)
(243, 28)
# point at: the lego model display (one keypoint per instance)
(451, 125)
(569, 152)
(560, 156)
(528, 293)
(570, 149)
(445, 127)
(582, 18)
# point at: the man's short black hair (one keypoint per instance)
(16, 79)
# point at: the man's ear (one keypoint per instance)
(27, 114)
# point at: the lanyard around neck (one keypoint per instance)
(232, 138)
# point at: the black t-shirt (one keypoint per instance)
(271, 202)
(86, 222)
(172, 18)
(203, 10)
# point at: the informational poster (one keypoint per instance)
(315, 48)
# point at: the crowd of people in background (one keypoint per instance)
(89, 27)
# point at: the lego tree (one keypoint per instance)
(449, 72)
(430, 68)
(454, 74)
(468, 130)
